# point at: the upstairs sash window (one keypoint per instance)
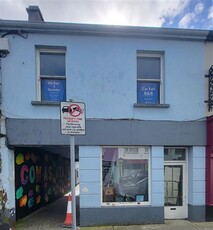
(52, 75)
(149, 78)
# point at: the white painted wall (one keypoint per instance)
(7, 175)
(208, 64)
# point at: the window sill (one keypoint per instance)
(137, 105)
(51, 103)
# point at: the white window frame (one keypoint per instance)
(161, 80)
(144, 203)
(39, 76)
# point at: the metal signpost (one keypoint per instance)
(73, 123)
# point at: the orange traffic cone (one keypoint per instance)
(68, 219)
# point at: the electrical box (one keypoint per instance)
(4, 46)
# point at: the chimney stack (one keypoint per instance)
(34, 14)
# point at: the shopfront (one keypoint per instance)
(147, 184)
(128, 172)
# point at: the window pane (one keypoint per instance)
(52, 64)
(125, 174)
(53, 89)
(173, 154)
(148, 92)
(173, 189)
(148, 67)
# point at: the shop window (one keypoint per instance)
(125, 175)
(51, 75)
(149, 78)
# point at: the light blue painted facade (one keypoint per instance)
(196, 171)
(157, 176)
(106, 67)
(101, 71)
(90, 186)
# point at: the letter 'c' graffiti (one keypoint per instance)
(23, 176)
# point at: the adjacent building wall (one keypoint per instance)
(7, 178)
(209, 142)
(208, 64)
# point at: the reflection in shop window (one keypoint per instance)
(125, 174)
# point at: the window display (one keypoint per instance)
(125, 174)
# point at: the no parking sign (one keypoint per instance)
(73, 118)
(72, 123)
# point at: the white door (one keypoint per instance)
(175, 188)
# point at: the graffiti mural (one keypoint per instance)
(40, 178)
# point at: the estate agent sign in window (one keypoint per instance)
(149, 78)
(52, 75)
(125, 174)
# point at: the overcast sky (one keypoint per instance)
(197, 14)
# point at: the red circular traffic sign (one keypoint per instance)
(75, 110)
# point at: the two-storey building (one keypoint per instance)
(142, 159)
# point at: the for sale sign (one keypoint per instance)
(73, 118)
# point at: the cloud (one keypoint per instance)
(186, 20)
(190, 18)
(140, 12)
(199, 8)
(153, 13)
(128, 12)
(210, 15)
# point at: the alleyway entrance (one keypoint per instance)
(48, 217)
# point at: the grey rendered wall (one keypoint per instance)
(21, 132)
(121, 215)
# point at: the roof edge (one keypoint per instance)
(102, 30)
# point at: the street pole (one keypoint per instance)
(72, 168)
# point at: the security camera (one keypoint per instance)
(4, 47)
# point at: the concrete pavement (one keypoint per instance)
(170, 225)
(53, 215)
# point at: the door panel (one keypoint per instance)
(175, 190)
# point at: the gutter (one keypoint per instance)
(102, 30)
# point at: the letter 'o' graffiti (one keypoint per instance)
(32, 174)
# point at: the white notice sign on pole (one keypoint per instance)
(73, 118)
